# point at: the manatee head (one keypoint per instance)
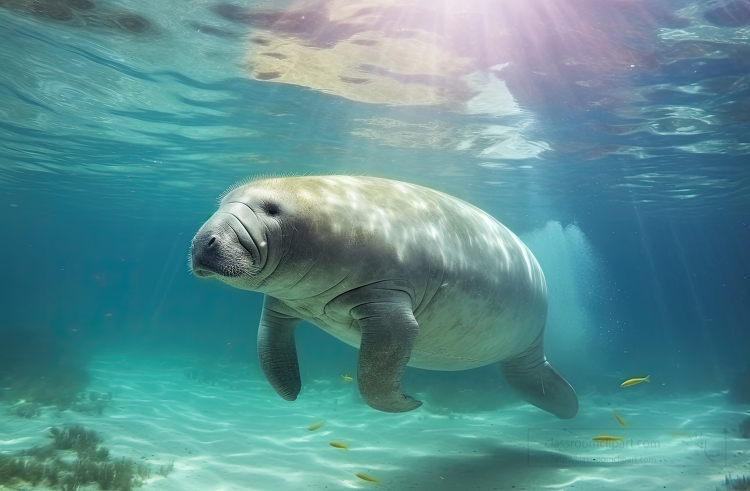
(241, 244)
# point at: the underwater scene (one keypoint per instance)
(418, 245)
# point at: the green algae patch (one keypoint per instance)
(48, 464)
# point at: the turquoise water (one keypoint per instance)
(611, 137)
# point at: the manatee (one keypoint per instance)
(406, 274)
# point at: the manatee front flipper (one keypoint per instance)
(277, 351)
(538, 383)
(388, 332)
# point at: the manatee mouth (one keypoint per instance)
(224, 246)
(200, 272)
(214, 257)
(221, 249)
(205, 273)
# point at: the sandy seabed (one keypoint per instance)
(225, 429)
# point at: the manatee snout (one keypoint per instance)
(206, 255)
(224, 247)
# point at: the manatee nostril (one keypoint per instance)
(211, 242)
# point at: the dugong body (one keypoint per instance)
(406, 274)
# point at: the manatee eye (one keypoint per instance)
(271, 209)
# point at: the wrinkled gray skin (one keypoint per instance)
(404, 273)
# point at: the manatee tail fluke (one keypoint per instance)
(536, 382)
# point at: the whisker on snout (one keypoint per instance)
(190, 260)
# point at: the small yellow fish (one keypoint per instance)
(679, 434)
(607, 439)
(338, 444)
(346, 378)
(366, 477)
(620, 420)
(634, 381)
(316, 426)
